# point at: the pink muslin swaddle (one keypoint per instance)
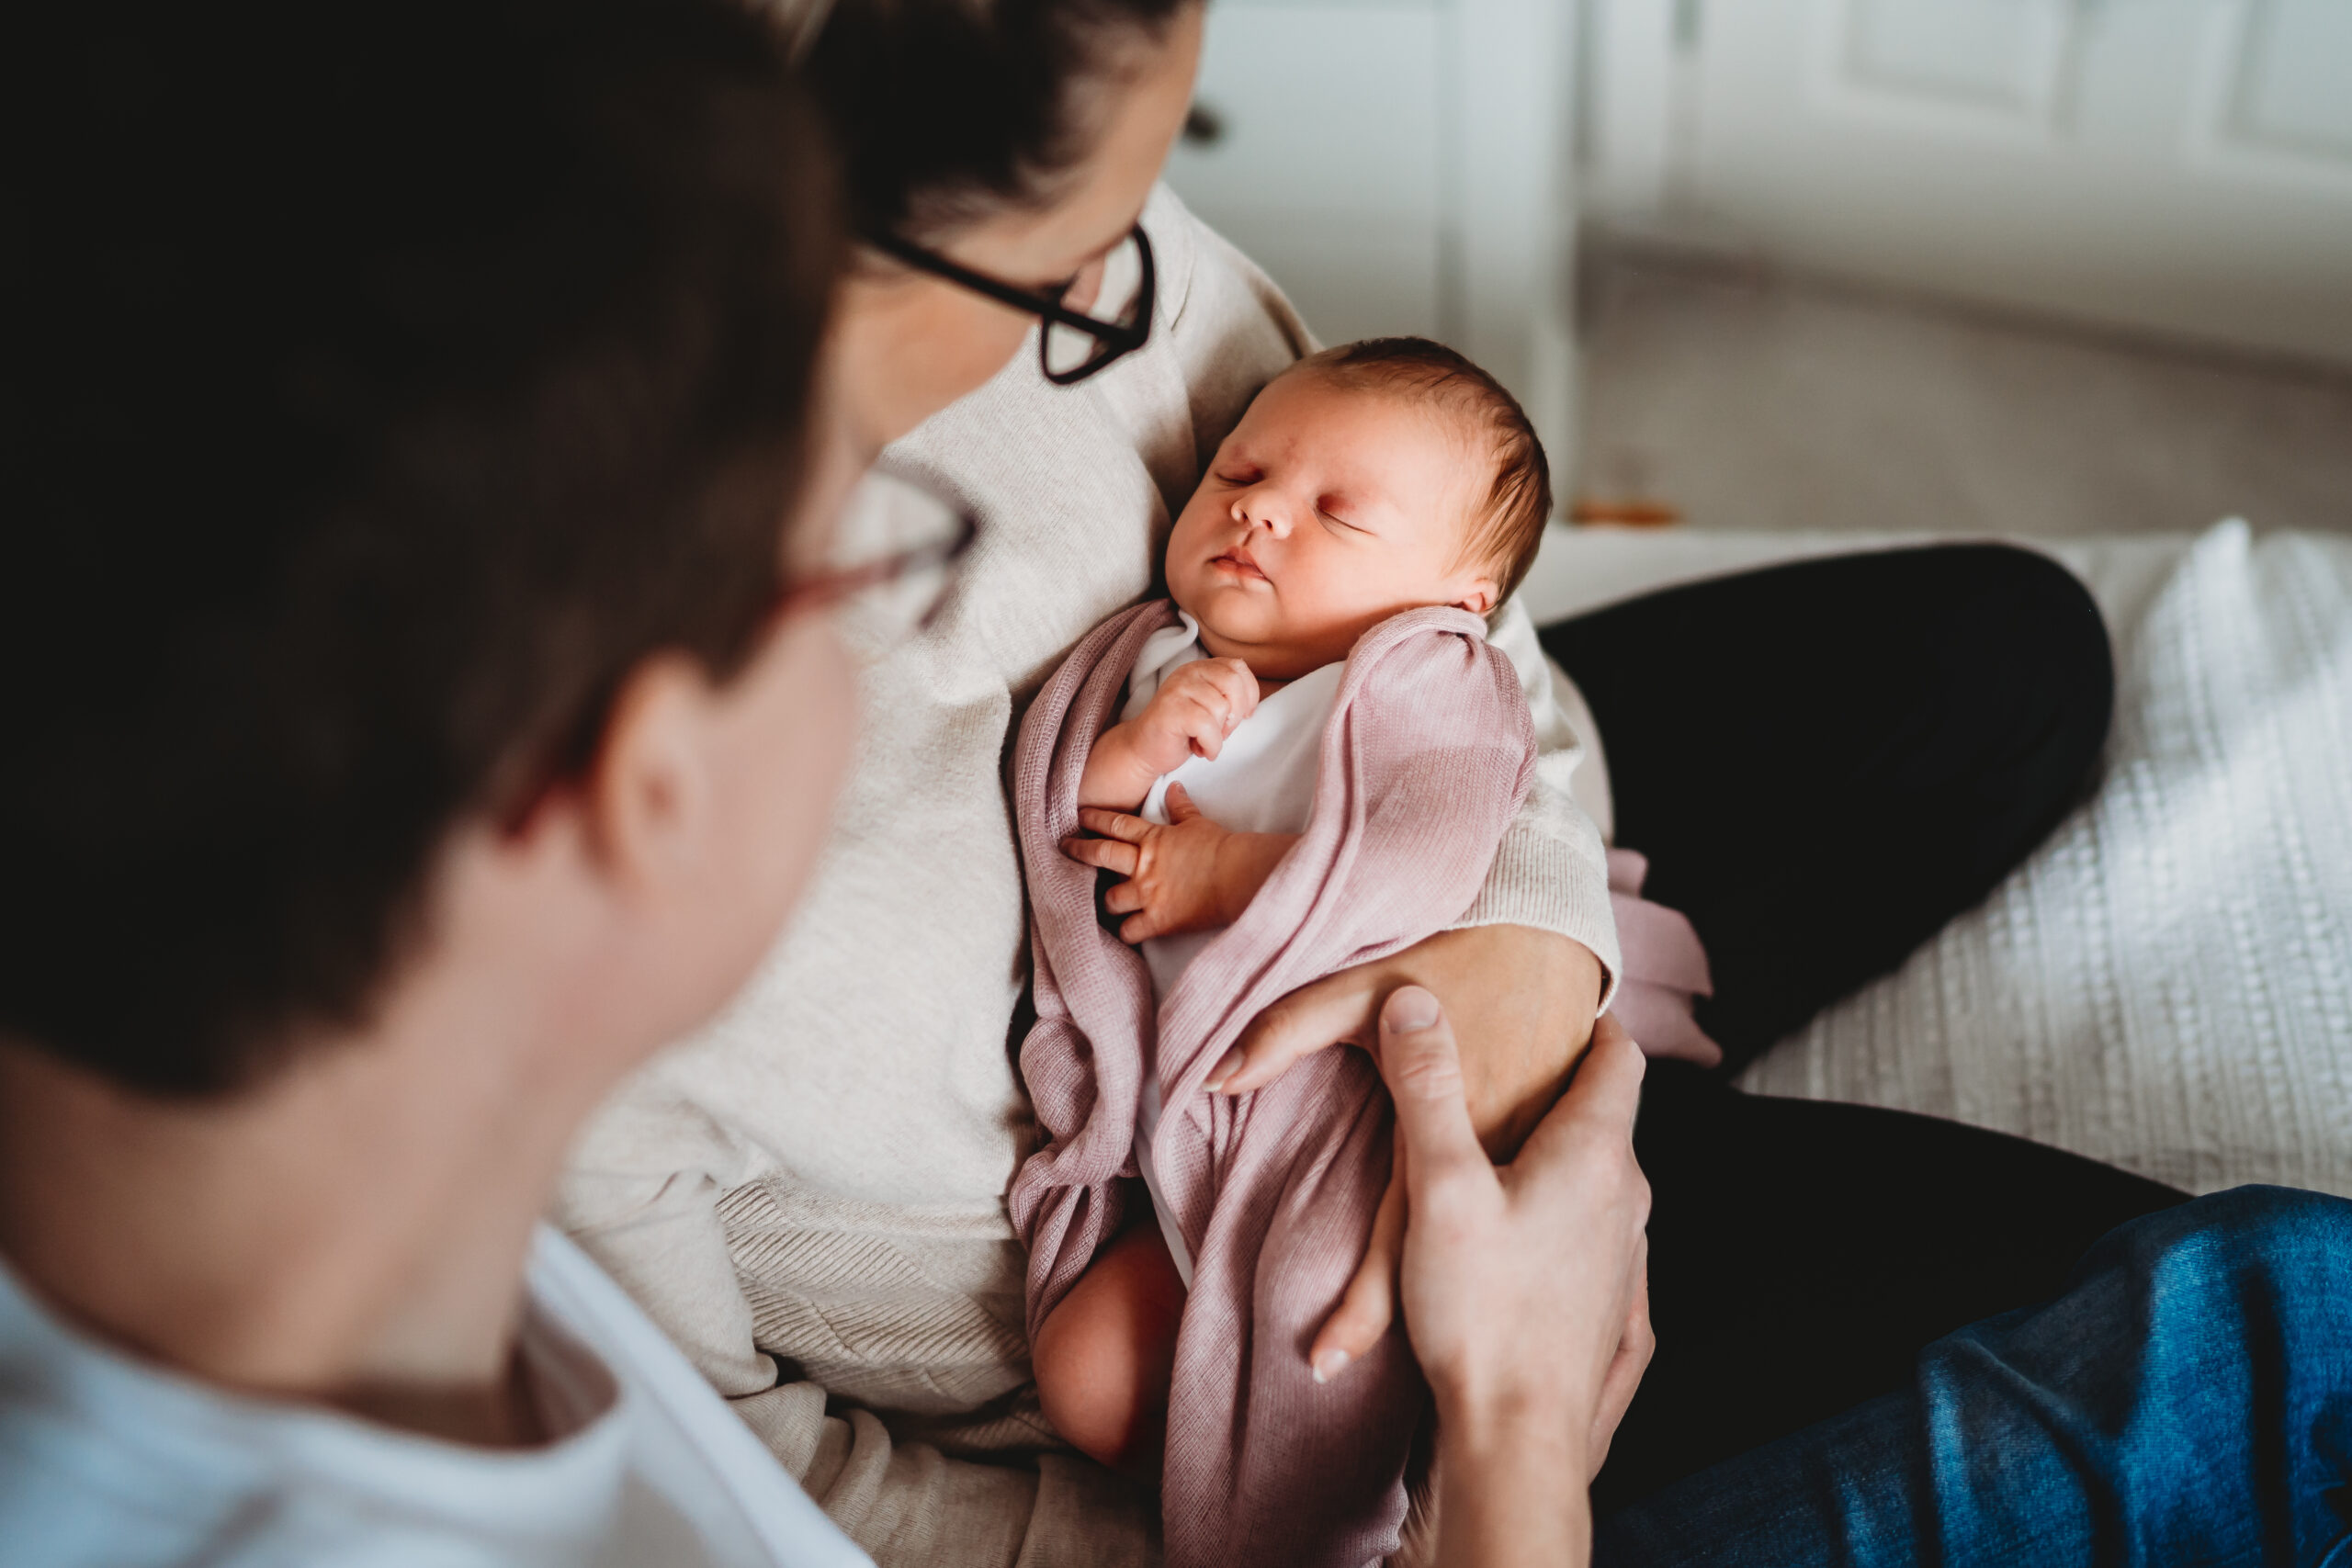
(1425, 759)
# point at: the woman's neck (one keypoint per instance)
(354, 1232)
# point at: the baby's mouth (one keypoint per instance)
(1237, 561)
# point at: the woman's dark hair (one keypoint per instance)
(947, 111)
(384, 384)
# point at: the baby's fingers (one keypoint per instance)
(1219, 693)
(1113, 824)
(1205, 724)
(1237, 685)
(1369, 1304)
(1110, 855)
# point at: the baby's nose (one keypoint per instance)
(1257, 511)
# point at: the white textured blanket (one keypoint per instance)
(2167, 984)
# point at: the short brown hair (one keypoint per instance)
(384, 385)
(1509, 527)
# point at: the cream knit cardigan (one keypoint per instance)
(809, 1195)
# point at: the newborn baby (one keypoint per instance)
(1365, 483)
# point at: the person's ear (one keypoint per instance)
(1478, 595)
(649, 795)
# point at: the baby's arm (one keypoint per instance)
(1189, 715)
(1188, 874)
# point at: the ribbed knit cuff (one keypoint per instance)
(1550, 872)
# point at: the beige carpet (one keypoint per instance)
(1747, 399)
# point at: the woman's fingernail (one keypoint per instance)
(1223, 1070)
(1409, 1009)
(1329, 1364)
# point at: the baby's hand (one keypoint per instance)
(1174, 881)
(1194, 711)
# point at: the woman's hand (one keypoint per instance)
(1523, 999)
(1188, 874)
(1525, 1287)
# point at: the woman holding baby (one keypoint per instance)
(831, 1157)
(1822, 763)
(436, 716)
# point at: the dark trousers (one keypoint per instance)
(1824, 762)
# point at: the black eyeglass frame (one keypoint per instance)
(1118, 341)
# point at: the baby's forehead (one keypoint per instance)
(1437, 415)
(1432, 463)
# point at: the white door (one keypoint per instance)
(2181, 165)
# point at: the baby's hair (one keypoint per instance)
(1509, 527)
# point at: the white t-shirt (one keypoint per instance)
(105, 1459)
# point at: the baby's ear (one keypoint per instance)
(1479, 596)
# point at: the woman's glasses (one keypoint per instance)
(1072, 345)
(895, 546)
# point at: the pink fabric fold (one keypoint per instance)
(1664, 968)
(1425, 760)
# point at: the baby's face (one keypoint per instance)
(1327, 511)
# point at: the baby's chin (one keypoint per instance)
(1233, 615)
(1234, 624)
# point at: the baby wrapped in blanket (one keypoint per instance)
(1315, 756)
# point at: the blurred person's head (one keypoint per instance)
(406, 406)
(1014, 138)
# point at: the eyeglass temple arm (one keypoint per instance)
(1036, 302)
